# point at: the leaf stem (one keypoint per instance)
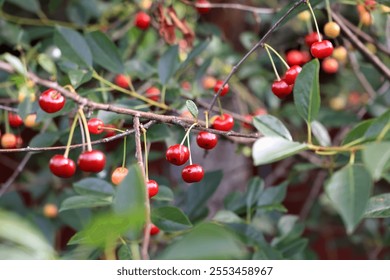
(70, 137)
(309, 139)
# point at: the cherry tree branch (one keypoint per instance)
(7, 108)
(234, 6)
(252, 50)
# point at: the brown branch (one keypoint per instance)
(253, 49)
(74, 146)
(234, 6)
(7, 108)
(376, 62)
(15, 174)
(140, 161)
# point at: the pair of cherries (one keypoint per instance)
(283, 87)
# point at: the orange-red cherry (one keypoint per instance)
(62, 166)
(153, 93)
(122, 81)
(118, 175)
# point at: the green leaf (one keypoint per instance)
(377, 126)
(47, 63)
(164, 194)
(83, 201)
(196, 51)
(199, 193)
(73, 46)
(272, 195)
(378, 206)
(169, 218)
(22, 240)
(254, 191)
(78, 77)
(15, 63)
(207, 241)
(93, 187)
(30, 5)
(271, 149)
(271, 126)
(375, 157)
(349, 190)
(139, 68)
(307, 91)
(191, 106)
(167, 64)
(320, 133)
(46, 139)
(104, 52)
(356, 134)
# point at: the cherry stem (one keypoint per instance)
(70, 137)
(328, 9)
(278, 55)
(220, 106)
(124, 152)
(187, 133)
(6, 119)
(315, 21)
(189, 148)
(85, 125)
(272, 62)
(146, 154)
(206, 116)
(112, 128)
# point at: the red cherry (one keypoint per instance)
(153, 93)
(122, 81)
(306, 57)
(14, 119)
(218, 85)
(281, 89)
(62, 166)
(51, 101)
(291, 74)
(370, 4)
(95, 126)
(142, 20)
(177, 154)
(206, 140)
(154, 230)
(294, 57)
(321, 49)
(92, 161)
(224, 122)
(330, 65)
(312, 38)
(247, 124)
(203, 10)
(192, 173)
(152, 188)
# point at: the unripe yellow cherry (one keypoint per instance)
(304, 16)
(332, 29)
(340, 53)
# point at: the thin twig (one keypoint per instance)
(252, 50)
(140, 161)
(7, 108)
(17, 171)
(235, 6)
(376, 62)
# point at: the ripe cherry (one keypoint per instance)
(50, 210)
(208, 82)
(62, 166)
(322, 49)
(281, 88)
(225, 122)
(294, 57)
(218, 85)
(306, 57)
(51, 101)
(95, 126)
(8, 141)
(192, 173)
(332, 29)
(14, 119)
(177, 154)
(142, 20)
(122, 81)
(153, 93)
(92, 161)
(312, 38)
(154, 230)
(206, 140)
(152, 188)
(205, 9)
(291, 74)
(118, 175)
(330, 65)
